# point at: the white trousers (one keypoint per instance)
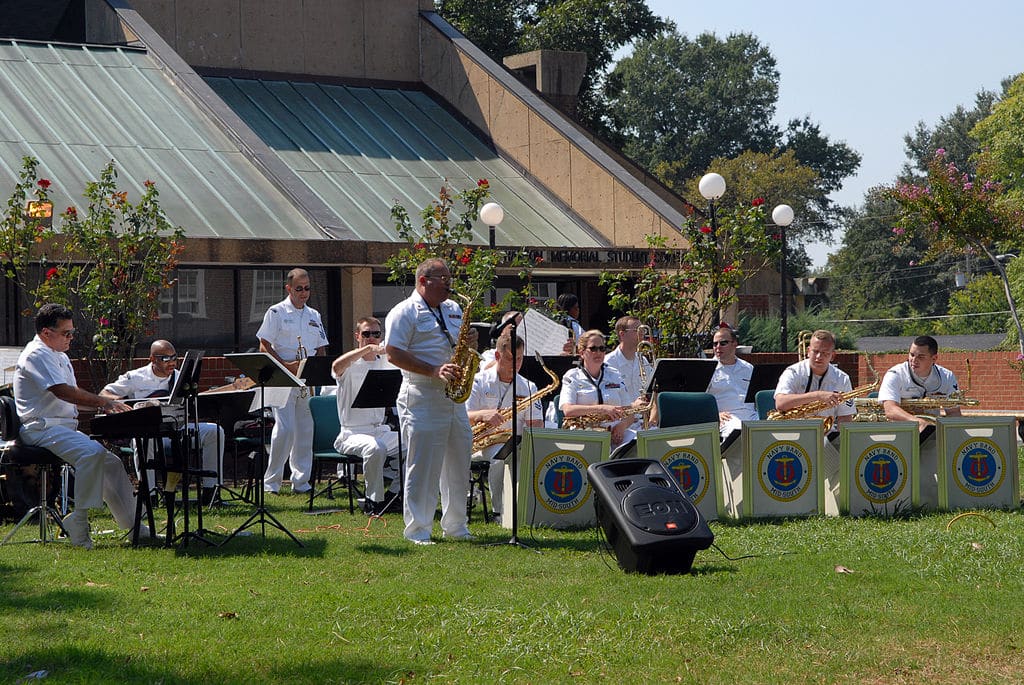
(438, 443)
(292, 440)
(373, 444)
(99, 475)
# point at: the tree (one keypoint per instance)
(597, 27)
(1000, 135)
(956, 212)
(982, 294)
(952, 134)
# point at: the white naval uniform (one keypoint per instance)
(435, 430)
(729, 384)
(630, 370)
(579, 387)
(491, 393)
(141, 383)
(50, 422)
(900, 383)
(363, 431)
(798, 379)
(292, 438)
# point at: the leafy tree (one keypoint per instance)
(982, 294)
(762, 332)
(952, 134)
(1001, 136)
(116, 258)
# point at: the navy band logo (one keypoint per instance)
(979, 467)
(785, 471)
(560, 482)
(881, 473)
(690, 472)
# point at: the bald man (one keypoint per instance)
(156, 380)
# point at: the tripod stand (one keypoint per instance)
(268, 372)
(193, 456)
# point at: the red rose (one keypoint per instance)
(71, 212)
(464, 259)
(51, 272)
(758, 201)
(482, 183)
(421, 246)
(43, 183)
(705, 229)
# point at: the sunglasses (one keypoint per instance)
(301, 288)
(597, 348)
(165, 357)
(67, 334)
(369, 334)
(721, 343)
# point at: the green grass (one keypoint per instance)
(359, 604)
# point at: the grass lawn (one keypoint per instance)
(926, 600)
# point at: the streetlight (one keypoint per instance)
(782, 215)
(712, 187)
(492, 214)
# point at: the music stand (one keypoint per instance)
(268, 373)
(186, 390)
(763, 377)
(316, 371)
(681, 375)
(380, 391)
(225, 408)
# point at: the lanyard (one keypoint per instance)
(811, 378)
(924, 388)
(440, 322)
(596, 383)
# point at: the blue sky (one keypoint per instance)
(868, 71)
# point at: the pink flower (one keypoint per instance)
(71, 212)
(482, 183)
(705, 229)
(149, 184)
(899, 230)
(1020, 357)
(967, 186)
(940, 152)
(536, 260)
(104, 321)
(532, 300)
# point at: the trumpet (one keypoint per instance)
(300, 356)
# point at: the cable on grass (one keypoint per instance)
(337, 527)
(746, 556)
(968, 513)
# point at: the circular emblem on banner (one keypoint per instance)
(881, 473)
(785, 471)
(560, 482)
(690, 472)
(979, 467)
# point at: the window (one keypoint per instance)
(191, 293)
(267, 290)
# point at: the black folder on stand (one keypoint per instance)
(681, 375)
(763, 377)
(379, 389)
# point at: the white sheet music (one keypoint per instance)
(8, 360)
(542, 334)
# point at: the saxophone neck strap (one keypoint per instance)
(439, 316)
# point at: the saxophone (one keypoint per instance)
(463, 355)
(811, 409)
(594, 421)
(485, 435)
(871, 410)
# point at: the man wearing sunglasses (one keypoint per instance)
(363, 431)
(156, 380)
(291, 331)
(730, 382)
(47, 398)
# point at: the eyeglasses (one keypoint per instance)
(369, 334)
(443, 279)
(67, 334)
(721, 343)
(165, 357)
(598, 348)
(629, 330)
(301, 288)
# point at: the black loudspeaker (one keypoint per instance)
(652, 526)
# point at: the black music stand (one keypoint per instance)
(268, 373)
(380, 391)
(681, 375)
(763, 377)
(316, 371)
(186, 389)
(225, 408)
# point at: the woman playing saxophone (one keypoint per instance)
(594, 395)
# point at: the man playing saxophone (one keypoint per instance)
(492, 392)
(815, 380)
(917, 378)
(420, 339)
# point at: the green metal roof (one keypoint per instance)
(76, 107)
(361, 149)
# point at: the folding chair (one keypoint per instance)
(326, 427)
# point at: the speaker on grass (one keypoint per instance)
(652, 526)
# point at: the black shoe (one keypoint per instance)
(211, 497)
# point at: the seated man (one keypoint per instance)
(729, 383)
(363, 431)
(917, 378)
(47, 397)
(156, 380)
(815, 379)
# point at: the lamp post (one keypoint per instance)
(782, 215)
(492, 214)
(712, 187)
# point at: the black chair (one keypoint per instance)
(479, 469)
(14, 452)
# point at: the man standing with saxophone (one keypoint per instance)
(421, 335)
(291, 330)
(816, 380)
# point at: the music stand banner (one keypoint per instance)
(879, 463)
(782, 474)
(977, 465)
(554, 490)
(691, 454)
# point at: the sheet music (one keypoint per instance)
(541, 334)
(8, 360)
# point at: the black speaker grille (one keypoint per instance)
(660, 482)
(660, 511)
(623, 484)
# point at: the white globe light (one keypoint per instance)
(782, 215)
(712, 186)
(492, 214)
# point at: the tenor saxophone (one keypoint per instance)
(485, 435)
(465, 357)
(811, 409)
(595, 420)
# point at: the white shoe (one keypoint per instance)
(77, 526)
(467, 536)
(414, 541)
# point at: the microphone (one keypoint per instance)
(497, 328)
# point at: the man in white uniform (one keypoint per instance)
(492, 393)
(290, 331)
(730, 382)
(363, 431)
(421, 333)
(815, 379)
(47, 398)
(917, 378)
(156, 380)
(625, 359)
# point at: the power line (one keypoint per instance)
(906, 318)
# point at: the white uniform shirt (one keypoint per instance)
(579, 388)
(797, 379)
(630, 370)
(40, 367)
(489, 392)
(349, 383)
(729, 384)
(141, 383)
(283, 325)
(900, 383)
(415, 327)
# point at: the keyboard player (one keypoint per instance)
(47, 397)
(156, 380)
